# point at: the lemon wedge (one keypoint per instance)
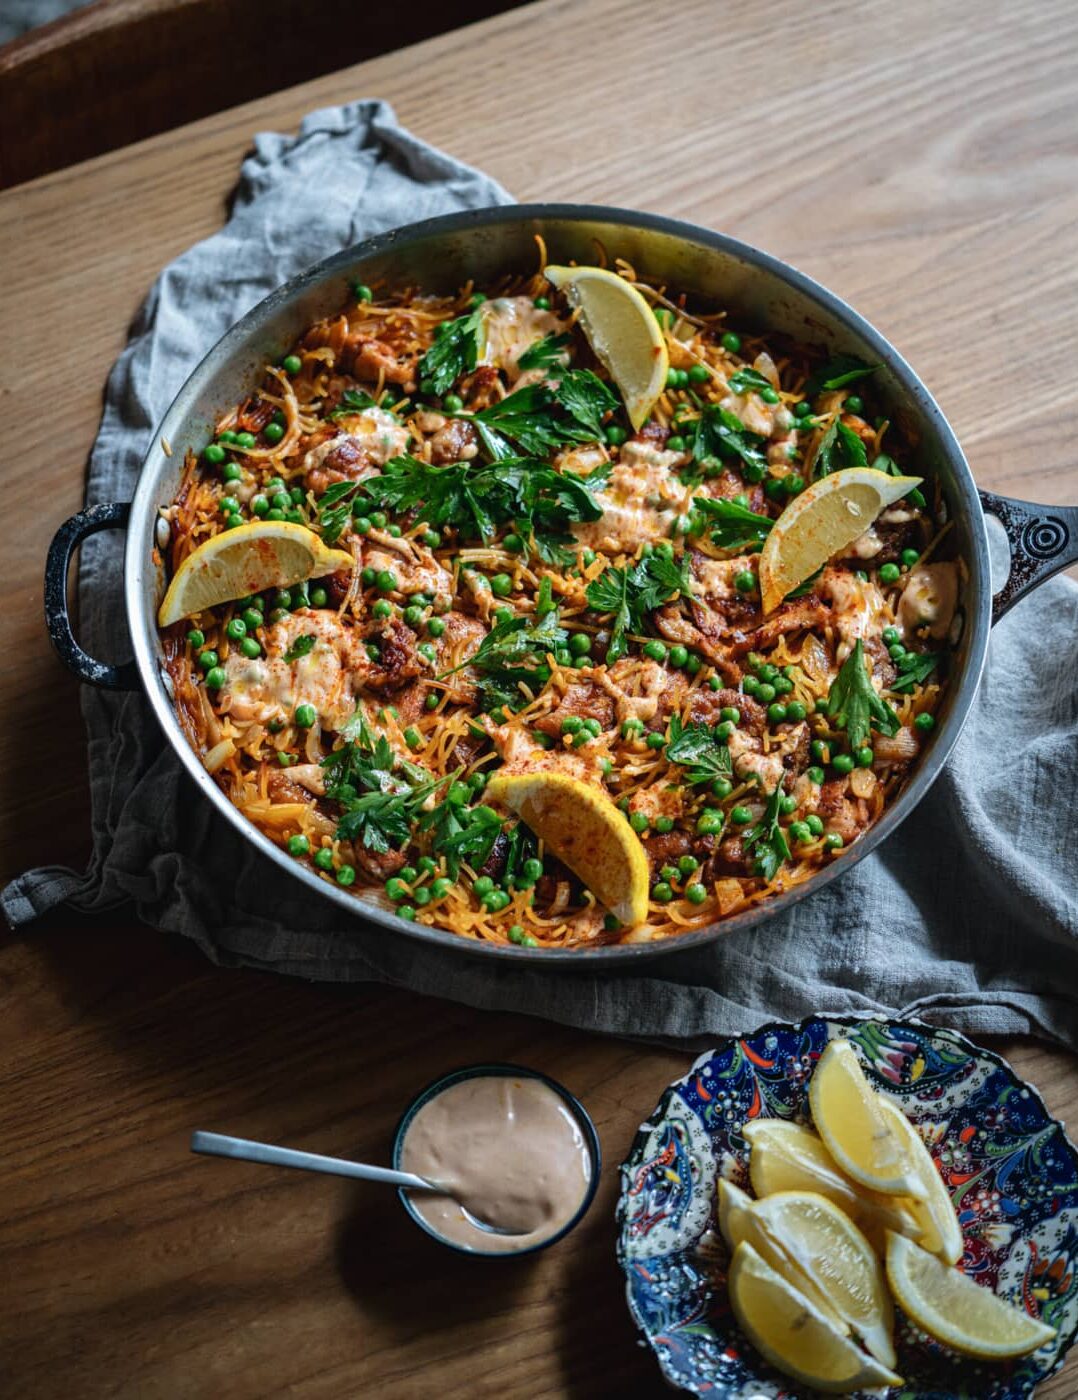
(790, 1333)
(787, 1157)
(739, 1223)
(829, 1249)
(586, 831)
(938, 1229)
(825, 518)
(849, 1117)
(955, 1310)
(622, 330)
(262, 554)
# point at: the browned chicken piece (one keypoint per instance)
(494, 864)
(376, 865)
(670, 623)
(456, 441)
(586, 700)
(665, 849)
(254, 414)
(372, 359)
(883, 668)
(482, 388)
(796, 616)
(338, 459)
(731, 858)
(840, 816)
(728, 485)
(398, 661)
(652, 432)
(282, 788)
(706, 707)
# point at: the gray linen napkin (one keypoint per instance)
(967, 916)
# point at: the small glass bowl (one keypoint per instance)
(579, 1112)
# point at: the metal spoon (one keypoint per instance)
(243, 1149)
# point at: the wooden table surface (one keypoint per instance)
(922, 160)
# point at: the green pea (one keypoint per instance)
(273, 433)
(427, 652)
(630, 728)
(774, 488)
(833, 841)
(396, 889)
(815, 775)
(788, 804)
(679, 656)
(897, 652)
(799, 831)
(783, 685)
(675, 443)
(245, 439)
(724, 730)
(794, 484)
(541, 303)
(710, 822)
(699, 374)
(925, 722)
(820, 750)
(250, 648)
(889, 573)
(843, 763)
(572, 724)
(532, 869)
(236, 629)
(215, 678)
(820, 707)
(696, 893)
(864, 757)
(664, 825)
(291, 364)
(664, 316)
(406, 911)
(795, 711)
(687, 864)
(346, 875)
(753, 472)
(382, 608)
(615, 435)
(196, 638)
(362, 292)
(323, 858)
(693, 664)
(214, 453)
(909, 557)
(722, 788)
(275, 514)
(298, 845)
(745, 581)
(661, 892)
(749, 684)
(385, 580)
(769, 395)
(655, 651)
(741, 816)
(814, 824)
(765, 692)
(891, 636)
(731, 342)
(655, 741)
(207, 660)
(639, 822)
(802, 409)
(440, 887)
(305, 716)
(854, 403)
(501, 585)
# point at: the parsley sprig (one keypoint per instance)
(631, 594)
(548, 351)
(768, 838)
(852, 702)
(511, 654)
(733, 526)
(302, 646)
(454, 354)
(837, 373)
(461, 833)
(379, 795)
(353, 401)
(540, 418)
(745, 381)
(720, 433)
(914, 671)
(695, 748)
(839, 447)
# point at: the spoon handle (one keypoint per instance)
(220, 1145)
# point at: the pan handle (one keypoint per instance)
(1042, 540)
(67, 539)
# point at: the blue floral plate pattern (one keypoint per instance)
(1011, 1171)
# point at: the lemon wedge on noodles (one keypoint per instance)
(622, 330)
(849, 1116)
(955, 1310)
(262, 554)
(584, 829)
(794, 1336)
(823, 520)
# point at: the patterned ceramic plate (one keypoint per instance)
(1012, 1173)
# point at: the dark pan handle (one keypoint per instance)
(1042, 540)
(57, 619)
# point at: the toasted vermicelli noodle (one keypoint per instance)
(536, 586)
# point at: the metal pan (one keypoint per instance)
(441, 254)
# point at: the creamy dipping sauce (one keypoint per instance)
(511, 1149)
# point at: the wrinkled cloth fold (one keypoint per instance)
(967, 916)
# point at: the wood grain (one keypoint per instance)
(116, 71)
(922, 160)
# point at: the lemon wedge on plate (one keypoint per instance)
(938, 1229)
(794, 1336)
(740, 1223)
(825, 518)
(828, 1248)
(262, 554)
(785, 1156)
(955, 1310)
(584, 829)
(849, 1116)
(622, 330)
